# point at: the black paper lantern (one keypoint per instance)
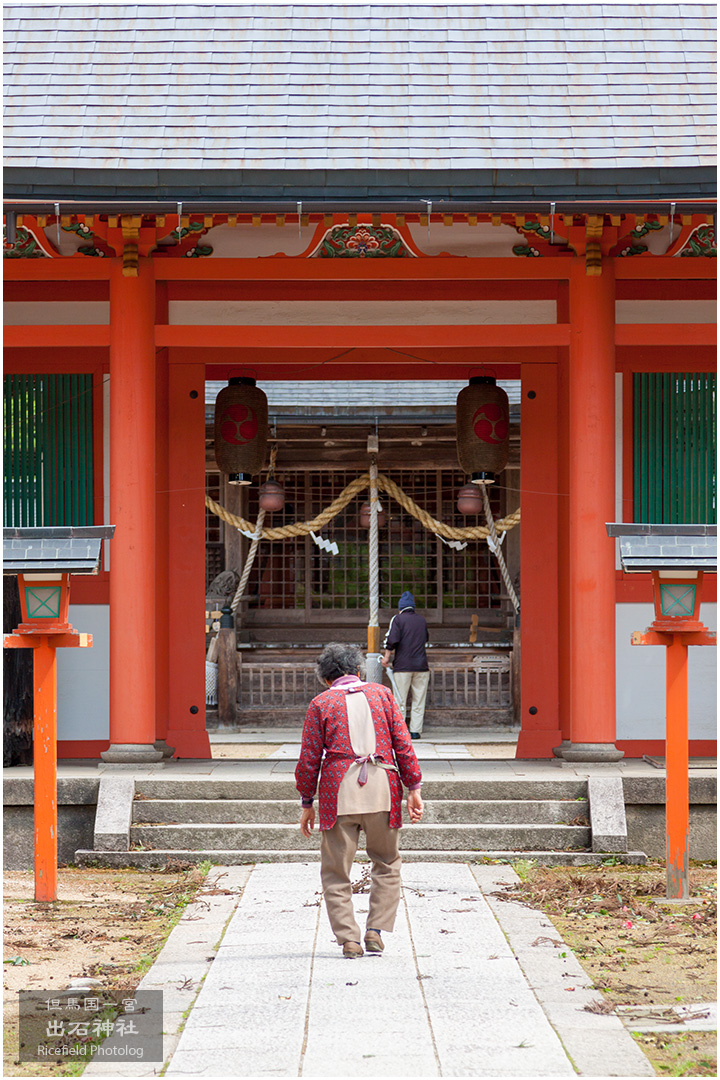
(241, 430)
(483, 429)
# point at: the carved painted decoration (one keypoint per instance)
(700, 242)
(194, 228)
(27, 245)
(94, 246)
(541, 231)
(363, 242)
(632, 247)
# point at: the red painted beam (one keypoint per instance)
(65, 359)
(86, 269)
(51, 337)
(657, 289)
(664, 334)
(439, 289)
(666, 357)
(55, 291)
(290, 269)
(359, 371)
(662, 267)
(293, 269)
(348, 337)
(360, 291)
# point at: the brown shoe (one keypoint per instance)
(352, 949)
(373, 941)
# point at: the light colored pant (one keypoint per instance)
(337, 851)
(419, 681)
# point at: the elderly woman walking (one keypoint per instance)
(367, 753)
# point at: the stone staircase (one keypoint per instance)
(246, 821)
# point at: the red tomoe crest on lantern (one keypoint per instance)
(241, 429)
(483, 426)
(238, 424)
(490, 423)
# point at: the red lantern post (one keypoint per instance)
(46, 558)
(676, 555)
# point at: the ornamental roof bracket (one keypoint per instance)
(131, 234)
(593, 249)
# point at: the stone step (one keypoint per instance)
(287, 811)
(161, 858)
(562, 788)
(418, 837)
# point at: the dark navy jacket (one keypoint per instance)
(407, 635)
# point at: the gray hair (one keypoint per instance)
(337, 660)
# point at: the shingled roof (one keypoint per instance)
(335, 396)
(302, 87)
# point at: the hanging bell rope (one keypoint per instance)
(494, 545)
(242, 584)
(361, 483)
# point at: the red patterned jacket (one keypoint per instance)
(326, 728)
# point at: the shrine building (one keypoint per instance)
(361, 209)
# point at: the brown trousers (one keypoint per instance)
(338, 847)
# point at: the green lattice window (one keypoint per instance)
(48, 445)
(675, 444)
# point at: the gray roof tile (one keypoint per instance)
(296, 396)
(291, 86)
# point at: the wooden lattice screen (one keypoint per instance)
(48, 445)
(296, 574)
(675, 446)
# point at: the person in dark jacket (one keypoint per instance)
(407, 636)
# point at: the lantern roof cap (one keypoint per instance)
(67, 549)
(645, 547)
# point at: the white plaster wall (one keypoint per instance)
(245, 241)
(359, 313)
(665, 311)
(56, 313)
(484, 240)
(641, 679)
(84, 677)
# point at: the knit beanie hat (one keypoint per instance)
(407, 600)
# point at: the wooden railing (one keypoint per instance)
(482, 682)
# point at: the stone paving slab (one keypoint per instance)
(485, 1018)
(260, 980)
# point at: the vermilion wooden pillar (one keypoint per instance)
(162, 563)
(563, 315)
(132, 511)
(186, 560)
(162, 525)
(592, 504)
(539, 562)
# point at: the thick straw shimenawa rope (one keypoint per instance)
(361, 483)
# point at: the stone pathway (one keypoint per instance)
(468, 986)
